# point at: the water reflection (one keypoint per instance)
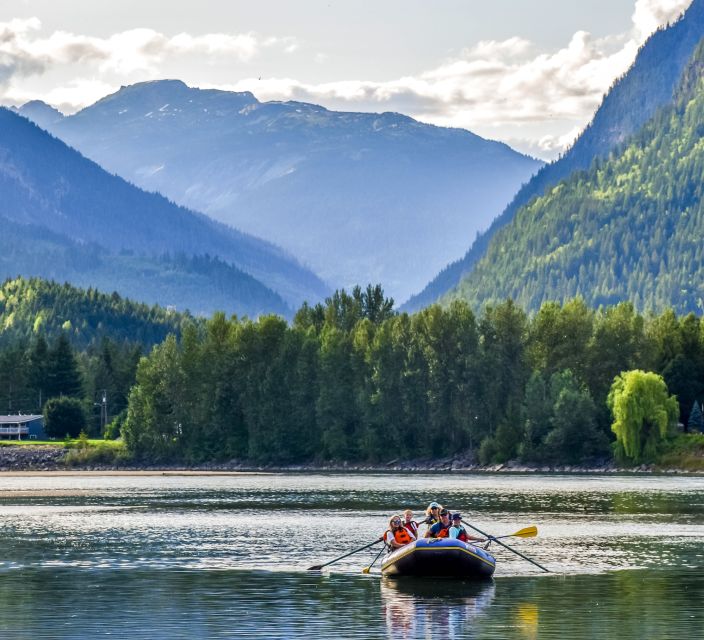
(433, 608)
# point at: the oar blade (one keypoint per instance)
(317, 567)
(528, 532)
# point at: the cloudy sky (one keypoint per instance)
(528, 72)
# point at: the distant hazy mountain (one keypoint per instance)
(71, 219)
(632, 100)
(628, 229)
(358, 197)
(40, 113)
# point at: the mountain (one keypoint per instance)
(46, 185)
(32, 306)
(631, 101)
(201, 284)
(629, 228)
(359, 197)
(40, 113)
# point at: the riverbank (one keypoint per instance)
(59, 459)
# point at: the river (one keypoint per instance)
(225, 556)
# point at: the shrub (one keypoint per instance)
(64, 417)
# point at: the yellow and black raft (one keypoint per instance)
(440, 557)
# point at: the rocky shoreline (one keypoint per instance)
(48, 458)
(25, 458)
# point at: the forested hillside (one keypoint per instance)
(199, 284)
(632, 101)
(31, 307)
(629, 228)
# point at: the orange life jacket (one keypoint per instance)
(443, 533)
(401, 535)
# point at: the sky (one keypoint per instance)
(530, 73)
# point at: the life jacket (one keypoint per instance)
(412, 527)
(443, 533)
(401, 535)
(462, 535)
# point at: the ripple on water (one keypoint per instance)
(225, 556)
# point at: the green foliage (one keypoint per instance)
(97, 453)
(64, 416)
(644, 413)
(685, 451)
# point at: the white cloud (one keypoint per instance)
(24, 52)
(506, 89)
(651, 14)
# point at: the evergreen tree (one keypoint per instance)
(63, 375)
(696, 419)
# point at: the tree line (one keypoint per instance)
(352, 380)
(38, 372)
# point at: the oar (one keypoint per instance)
(318, 567)
(518, 553)
(369, 568)
(528, 532)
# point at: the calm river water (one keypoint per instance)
(225, 556)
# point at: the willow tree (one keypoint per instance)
(643, 412)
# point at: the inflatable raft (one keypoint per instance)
(439, 557)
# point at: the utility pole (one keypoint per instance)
(103, 404)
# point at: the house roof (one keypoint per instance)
(21, 419)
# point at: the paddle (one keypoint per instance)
(369, 568)
(318, 567)
(528, 532)
(518, 553)
(378, 555)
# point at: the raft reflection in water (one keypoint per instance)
(433, 607)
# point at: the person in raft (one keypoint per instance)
(397, 535)
(440, 529)
(410, 523)
(458, 531)
(432, 514)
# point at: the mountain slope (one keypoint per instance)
(629, 228)
(360, 197)
(46, 184)
(200, 284)
(632, 100)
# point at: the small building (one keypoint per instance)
(22, 427)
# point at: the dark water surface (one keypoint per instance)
(226, 557)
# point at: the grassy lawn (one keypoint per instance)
(67, 444)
